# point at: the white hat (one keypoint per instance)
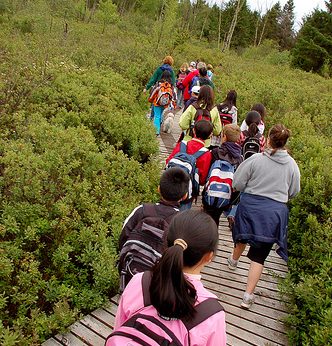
(195, 89)
(193, 64)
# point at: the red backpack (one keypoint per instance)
(201, 114)
(225, 116)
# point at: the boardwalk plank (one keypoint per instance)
(69, 339)
(87, 335)
(51, 342)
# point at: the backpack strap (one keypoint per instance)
(200, 152)
(183, 147)
(146, 280)
(204, 310)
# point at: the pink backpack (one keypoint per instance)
(144, 328)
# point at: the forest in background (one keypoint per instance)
(77, 153)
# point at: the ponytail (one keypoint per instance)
(278, 136)
(253, 118)
(191, 235)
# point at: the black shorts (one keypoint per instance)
(259, 254)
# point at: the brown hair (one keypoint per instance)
(253, 119)
(184, 66)
(232, 132)
(260, 108)
(206, 97)
(278, 136)
(172, 294)
(168, 60)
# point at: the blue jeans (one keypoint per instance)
(158, 117)
(185, 205)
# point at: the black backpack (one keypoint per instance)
(251, 145)
(138, 324)
(201, 114)
(145, 244)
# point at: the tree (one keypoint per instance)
(313, 50)
(271, 18)
(286, 34)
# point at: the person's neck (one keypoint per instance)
(193, 270)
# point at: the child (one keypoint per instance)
(202, 131)
(229, 151)
(162, 96)
(193, 98)
(181, 75)
(173, 188)
(209, 68)
(158, 305)
(260, 108)
(228, 115)
(205, 102)
(251, 140)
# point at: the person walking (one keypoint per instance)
(267, 181)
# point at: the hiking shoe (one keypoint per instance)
(247, 301)
(232, 263)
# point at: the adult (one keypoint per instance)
(166, 66)
(267, 181)
(205, 101)
(174, 296)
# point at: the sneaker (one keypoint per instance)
(247, 301)
(232, 263)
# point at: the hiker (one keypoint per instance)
(139, 246)
(194, 95)
(218, 196)
(260, 108)
(162, 96)
(192, 66)
(188, 80)
(251, 140)
(228, 115)
(205, 105)
(201, 79)
(170, 302)
(166, 66)
(181, 75)
(267, 181)
(194, 147)
(209, 68)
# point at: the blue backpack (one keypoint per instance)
(218, 188)
(187, 162)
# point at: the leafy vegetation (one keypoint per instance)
(76, 151)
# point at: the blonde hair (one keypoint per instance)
(168, 60)
(232, 132)
(184, 66)
(209, 67)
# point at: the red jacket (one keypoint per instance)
(186, 83)
(203, 163)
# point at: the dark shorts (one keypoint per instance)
(259, 254)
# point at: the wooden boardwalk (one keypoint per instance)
(261, 325)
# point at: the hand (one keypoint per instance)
(144, 91)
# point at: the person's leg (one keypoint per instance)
(238, 250)
(158, 111)
(255, 272)
(213, 212)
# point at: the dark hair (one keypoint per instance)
(202, 71)
(278, 136)
(203, 129)
(206, 97)
(229, 101)
(260, 108)
(166, 77)
(174, 184)
(171, 294)
(253, 119)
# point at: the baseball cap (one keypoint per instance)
(195, 89)
(193, 64)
